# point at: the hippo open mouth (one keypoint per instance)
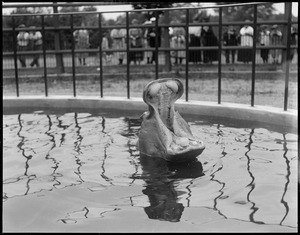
(164, 133)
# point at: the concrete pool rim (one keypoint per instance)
(264, 114)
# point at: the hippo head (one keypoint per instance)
(164, 133)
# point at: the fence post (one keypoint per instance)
(100, 54)
(156, 45)
(254, 54)
(73, 55)
(44, 55)
(220, 56)
(187, 55)
(128, 57)
(15, 55)
(59, 56)
(166, 41)
(286, 53)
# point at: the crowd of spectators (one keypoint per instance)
(143, 38)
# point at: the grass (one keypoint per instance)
(203, 82)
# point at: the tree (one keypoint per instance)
(241, 13)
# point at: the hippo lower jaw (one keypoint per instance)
(164, 133)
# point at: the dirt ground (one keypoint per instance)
(236, 82)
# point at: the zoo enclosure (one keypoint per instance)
(286, 46)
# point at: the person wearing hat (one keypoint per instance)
(151, 38)
(35, 40)
(22, 44)
(276, 39)
(265, 40)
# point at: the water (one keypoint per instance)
(80, 171)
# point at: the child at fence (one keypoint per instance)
(22, 44)
(178, 42)
(35, 38)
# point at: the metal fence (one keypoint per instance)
(47, 54)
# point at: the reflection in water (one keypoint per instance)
(245, 174)
(160, 177)
(285, 203)
(251, 185)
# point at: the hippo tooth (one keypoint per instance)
(172, 85)
(182, 141)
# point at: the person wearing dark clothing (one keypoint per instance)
(151, 38)
(136, 41)
(195, 41)
(294, 41)
(35, 39)
(209, 39)
(230, 39)
(265, 40)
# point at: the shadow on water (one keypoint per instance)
(160, 177)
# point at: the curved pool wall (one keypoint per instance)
(262, 114)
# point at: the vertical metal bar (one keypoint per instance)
(220, 56)
(100, 54)
(254, 54)
(156, 45)
(44, 55)
(288, 14)
(15, 56)
(187, 55)
(73, 56)
(127, 50)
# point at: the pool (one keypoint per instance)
(66, 170)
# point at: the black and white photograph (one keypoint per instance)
(150, 117)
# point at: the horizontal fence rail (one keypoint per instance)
(286, 47)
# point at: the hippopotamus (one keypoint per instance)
(164, 133)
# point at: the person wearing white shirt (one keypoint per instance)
(22, 44)
(246, 40)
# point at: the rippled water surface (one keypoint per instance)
(79, 171)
